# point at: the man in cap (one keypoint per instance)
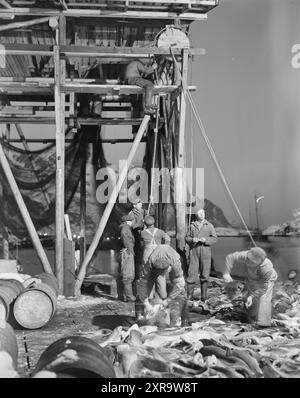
(200, 237)
(127, 256)
(156, 267)
(261, 277)
(136, 73)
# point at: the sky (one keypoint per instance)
(248, 97)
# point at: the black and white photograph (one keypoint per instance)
(149, 192)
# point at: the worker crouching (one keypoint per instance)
(163, 261)
(261, 277)
(127, 257)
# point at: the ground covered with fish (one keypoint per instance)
(216, 344)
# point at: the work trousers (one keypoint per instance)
(200, 262)
(261, 309)
(147, 85)
(127, 266)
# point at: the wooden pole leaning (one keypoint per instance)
(110, 205)
(24, 212)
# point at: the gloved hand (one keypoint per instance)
(227, 278)
(154, 65)
(195, 240)
(202, 240)
(249, 301)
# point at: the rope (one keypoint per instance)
(192, 156)
(154, 151)
(210, 148)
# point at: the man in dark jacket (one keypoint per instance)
(135, 72)
(127, 256)
(200, 237)
(138, 214)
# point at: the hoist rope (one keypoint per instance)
(210, 148)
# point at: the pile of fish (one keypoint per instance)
(207, 349)
(214, 347)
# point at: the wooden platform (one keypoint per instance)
(169, 9)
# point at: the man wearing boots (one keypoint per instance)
(200, 238)
(135, 74)
(127, 257)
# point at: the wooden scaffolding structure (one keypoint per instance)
(62, 86)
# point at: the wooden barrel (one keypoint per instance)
(76, 356)
(10, 289)
(8, 341)
(36, 305)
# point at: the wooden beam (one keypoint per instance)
(110, 205)
(24, 212)
(83, 207)
(80, 121)
(117, 89)
(180, 180)
(96, 51)
(59, 74)
(52, 140)
(79, 13)
(23, 24)
(5, 4)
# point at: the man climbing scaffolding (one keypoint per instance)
(136, 73)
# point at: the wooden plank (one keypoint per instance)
(83, 207)
(110, 205)
(23, 24)
(114, 89)
(24, 212)
(79, 13)
(96, 51)
(52, 140)
(68, 227)
(59, 73)
(5, 4)
(81, 121)
(69, 268)
(180, 180)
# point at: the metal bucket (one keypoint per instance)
(36, 305)
(76, 356)
(8, 341)
(10, 289)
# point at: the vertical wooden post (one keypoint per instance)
(59, 79)
(83, 207)
(5, 237)
(180, 181)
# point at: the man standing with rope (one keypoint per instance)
(200, 237)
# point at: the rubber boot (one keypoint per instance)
(128, 292)
(190, 290)
(204, 291)
(148, 100)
